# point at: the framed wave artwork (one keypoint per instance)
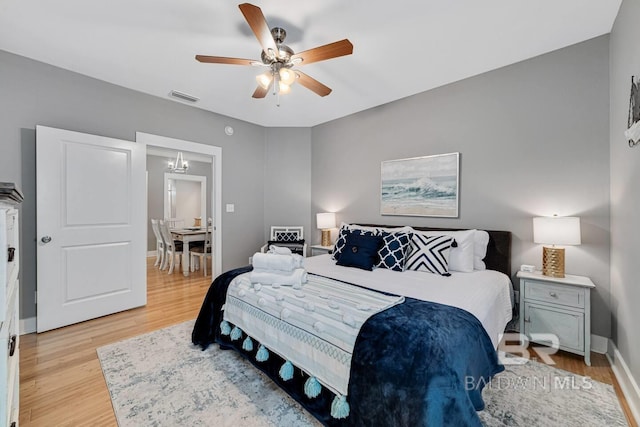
(420, 186)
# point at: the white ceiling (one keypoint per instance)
(401, 47)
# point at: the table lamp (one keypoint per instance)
(553, 231)
(325, 222)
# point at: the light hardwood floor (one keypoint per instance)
(61, 383)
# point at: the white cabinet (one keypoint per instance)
(559, 306)
(9, 336)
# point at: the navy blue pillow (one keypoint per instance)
(394, 250)
(338, 247)
(360, 251)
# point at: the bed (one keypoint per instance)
(422, 359)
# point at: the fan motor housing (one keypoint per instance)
(284, 52)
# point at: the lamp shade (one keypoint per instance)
(326, 220)
(557, 230)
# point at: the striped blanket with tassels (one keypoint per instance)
(313, 327)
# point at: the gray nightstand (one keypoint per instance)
(560, 306)
(319, 249)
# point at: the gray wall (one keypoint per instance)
(287, 180)
(532, 137)
(533, 141)
(34, 93)
(156, 168)
(625, 197)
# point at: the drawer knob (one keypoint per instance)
(553, 294)
(12, 344)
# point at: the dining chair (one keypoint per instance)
(173, 248)
(202, 252)
(290, 236)
(160, 247)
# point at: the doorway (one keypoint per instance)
(214, 208)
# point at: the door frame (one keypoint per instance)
(216, 172)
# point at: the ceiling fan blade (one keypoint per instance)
(321, 53)
(257, 22)
(312, 84)
(225, 60)
(261, 92)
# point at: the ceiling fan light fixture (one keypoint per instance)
(276, 56)
(264, 80)
(287, 76)
(284, 88)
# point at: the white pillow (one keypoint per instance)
(378, 230)
(461, 257)
(480, 243)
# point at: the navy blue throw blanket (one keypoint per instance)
(416, 364)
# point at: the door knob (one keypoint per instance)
(46, 239)
(12, 345)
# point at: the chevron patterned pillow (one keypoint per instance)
(429, 254)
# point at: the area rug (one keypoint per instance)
(161, 379)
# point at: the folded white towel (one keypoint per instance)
(269, 277)
(274, 262)
(298, 260)
(278, 262)
(280, 250)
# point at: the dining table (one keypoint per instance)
(188, 235)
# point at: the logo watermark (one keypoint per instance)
(521, 349)
(514, 349)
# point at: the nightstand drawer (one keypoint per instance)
(564, 295)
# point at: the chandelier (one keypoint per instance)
(180, 165)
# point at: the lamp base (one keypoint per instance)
(326, 238)
(553, 261)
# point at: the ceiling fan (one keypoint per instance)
(280, 58)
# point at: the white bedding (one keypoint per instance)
(485, 294)
(314, 327)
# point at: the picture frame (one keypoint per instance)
(421, 186)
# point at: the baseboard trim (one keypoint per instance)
(599, 344)
(628, 384)
(151, 254)
(27, 326)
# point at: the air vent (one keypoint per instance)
(183, 96)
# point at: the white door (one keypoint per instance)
(91, 226)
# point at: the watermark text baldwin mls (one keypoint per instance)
(520, 353)
(546, 382)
